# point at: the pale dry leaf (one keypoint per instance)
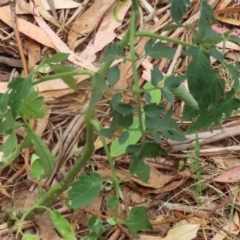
(105, 33)
(148, 237)
(42, 123)
(3, 190)
(24, 199)
(157, 179)
(27, 28)
(33, 51)
(232, 227)
(46, 227)
(184, 232)
(23, 7)
(223, 4)
(88, 21)
(230, 176)
(44, 13)
(62, 47)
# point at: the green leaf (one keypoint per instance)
(208, 37)
(173, 84)
(234, 71)
(156, 76)
(157, 137)
(95, 224)
(143, 171)
(153, 110)
(216, 54)
(112, 202)
(153, 96)
(116, 99)
(62, 226)
(19, 89)
(147, 97)
(137, 221)
(4, 98)
(203, 82)
(167, 126)
(69, 80)
(182, 93)
(149, 150)
(118, 106)
(9, 150)
(98, 89)
(167, 95)
(57, 58)
(41, 150)
(170, 27)
(108, 132)
(123, 138)
(112, 52)
(178, 9)
(36, 168)
(85, 190)
(113, 75)
(173, 81)
(234, 38)
(159, 50)
(116, 149)
(121, 121)
(206, 15)
(134, 148)
(225, 106)
(189, 113)
(170, 129)
(7, 123)
(33, 106)
(29, 237)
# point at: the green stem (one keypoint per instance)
(49, 197)
(66, 74)
(115, 180)
(136, 88)
(164, 38)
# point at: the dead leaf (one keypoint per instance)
(33, 48)
(44, 13)
(88, 21)
(27, 28)
(23, 7)
(107, 28)
(232, 227)
(184, 232)
(230, 176)
(62, 47)
(46, 226)
(156, 180)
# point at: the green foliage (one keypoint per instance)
(9, 150)
(62, 226)
(178, 9)
(117, 149)
(159, 50)
(111, 52)
(137, 220)
(69, 80)
(156, 76)
(19, 89)
(113, 75)
(36, 168)
(33, 106)
(29, 237)
(141, 125)
(85, 190)
(41, 150)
